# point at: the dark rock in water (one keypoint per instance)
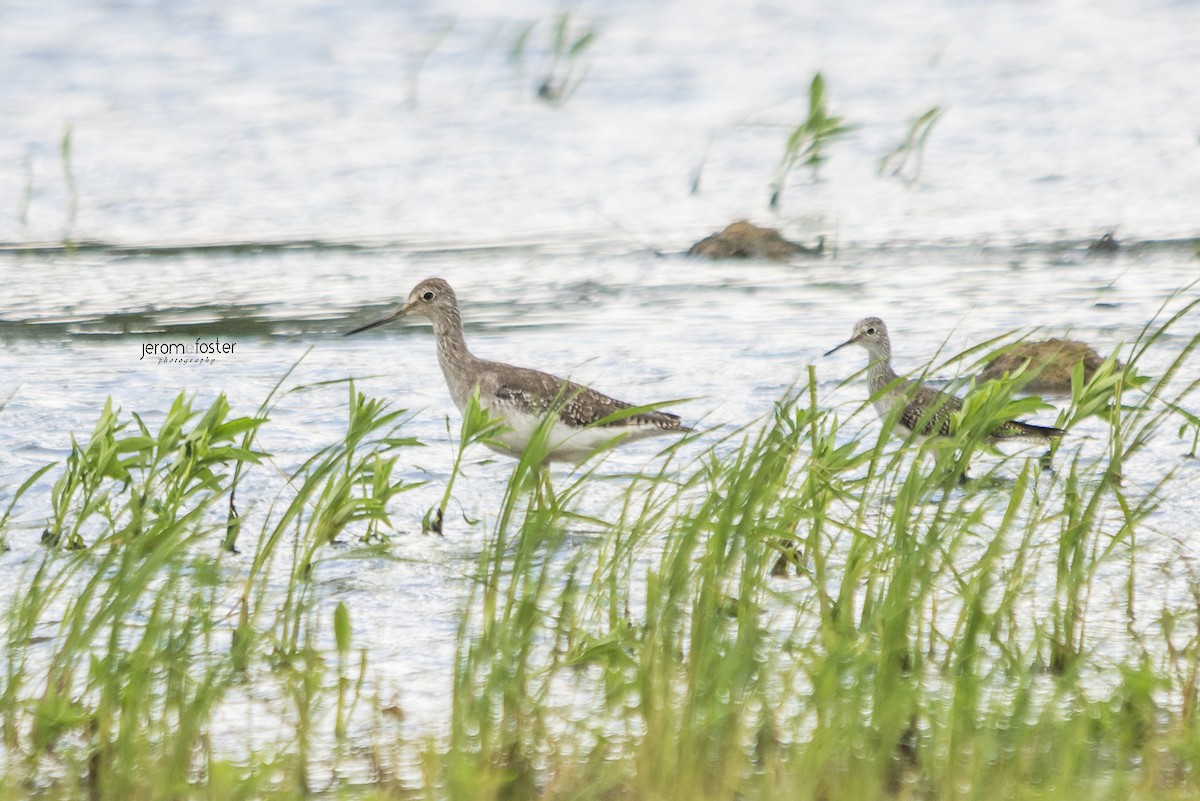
(1050, 362)
(744, 240)
(1105, 244)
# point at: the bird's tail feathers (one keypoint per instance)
(1015, 428)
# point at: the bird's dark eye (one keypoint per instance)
(427, 296)
(872, 331)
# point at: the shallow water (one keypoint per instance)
(289, 138)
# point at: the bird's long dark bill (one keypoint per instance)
(377, 323)
(835, 350)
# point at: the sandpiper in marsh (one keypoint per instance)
(925, 407)
(584, 418)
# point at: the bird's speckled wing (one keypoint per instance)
(938, 422)
(927, 411)
(577, 405)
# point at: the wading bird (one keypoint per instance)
(927, 410)
(582, 419)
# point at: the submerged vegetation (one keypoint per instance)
(793, 611)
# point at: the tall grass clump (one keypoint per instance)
(345, 487)
(106, 642)
(133, 635)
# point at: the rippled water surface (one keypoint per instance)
(273, 174)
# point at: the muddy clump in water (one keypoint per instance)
(745, 240)
(1050, 362)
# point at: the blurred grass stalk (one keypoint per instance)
(908, 157)
(793, 613)
(66, 153)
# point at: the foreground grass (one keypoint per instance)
(792, 613)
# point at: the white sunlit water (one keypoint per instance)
(280, 121)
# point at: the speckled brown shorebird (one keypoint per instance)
(924, 406)
(584, 418)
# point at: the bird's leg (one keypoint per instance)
(789, 557)
(953, 471)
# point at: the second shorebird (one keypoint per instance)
(584, 419)
(927, 410)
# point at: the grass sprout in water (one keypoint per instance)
(564, 69)
(1004, 637)
(806, 144)
(132, 484)
(907, 158)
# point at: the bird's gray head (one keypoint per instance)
(432, 298)
(870, 334)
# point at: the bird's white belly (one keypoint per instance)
(564, 443)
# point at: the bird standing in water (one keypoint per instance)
(926, 409)
(583, 419)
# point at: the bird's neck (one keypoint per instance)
(880, 372)
(453, 356)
